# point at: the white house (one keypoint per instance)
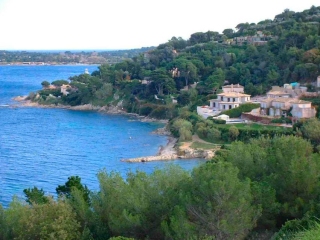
(229, 100)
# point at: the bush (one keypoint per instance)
(281, 120)
(59, 83)
(45, 84)
(218, 121)
(145, 110)
(213, 134)
(236, 112)
(159, 113)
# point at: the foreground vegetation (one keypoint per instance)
(243, 192)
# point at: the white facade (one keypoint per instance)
(206, 111)
(229, 100)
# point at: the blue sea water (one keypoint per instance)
(43, 147)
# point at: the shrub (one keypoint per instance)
(59, 83)
(45, 84)
(214, 134)
(236, 112)
(218, 121)
(281, 120)
(145, 110)
(160, 112)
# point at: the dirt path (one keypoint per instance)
(195, 138)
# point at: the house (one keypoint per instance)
(288, 90)
(233, 88)
(302, 109)
(281, 106)
(229, 100)
(64, 89)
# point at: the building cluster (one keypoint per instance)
(281, 101)
(258, 39)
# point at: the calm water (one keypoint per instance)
(43, 147)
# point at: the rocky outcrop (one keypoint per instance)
(188, 153)
(197, 153)
(165, 157)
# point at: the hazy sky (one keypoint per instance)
(124, 24)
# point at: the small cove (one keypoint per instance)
(43, 147)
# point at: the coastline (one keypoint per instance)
(23, 102)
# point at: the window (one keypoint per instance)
(214, 104)
(228, 99)
(230, 106)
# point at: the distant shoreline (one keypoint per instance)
(49, 64)
(23, 102)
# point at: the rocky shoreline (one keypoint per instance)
(24, 102)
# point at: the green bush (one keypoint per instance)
(59, 83)
(218, 121)
(145, 110)
(214, 134)
(281, 120)
(159, 112)
(236, 112)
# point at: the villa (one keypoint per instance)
(229, 100)
(231, 97)
(280, 107)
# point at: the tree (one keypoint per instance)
(273, 77)
(161, 80)
(228, 32)
(233, 133)
(311, 130)
(53, 220)
(59, 83)
(35, 196)
(285, 164)
(74, 182)
(216, 80)
(220, 204)
(45, 84)
(105, 91)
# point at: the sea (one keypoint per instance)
(42, 147)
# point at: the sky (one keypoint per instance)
(125, 24)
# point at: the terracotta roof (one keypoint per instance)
(231, 86)
(278, 93)
(283, 100)
(233, 94)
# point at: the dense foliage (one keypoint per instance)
(192, 71)
(245, 190)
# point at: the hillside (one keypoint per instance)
(258, 56)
